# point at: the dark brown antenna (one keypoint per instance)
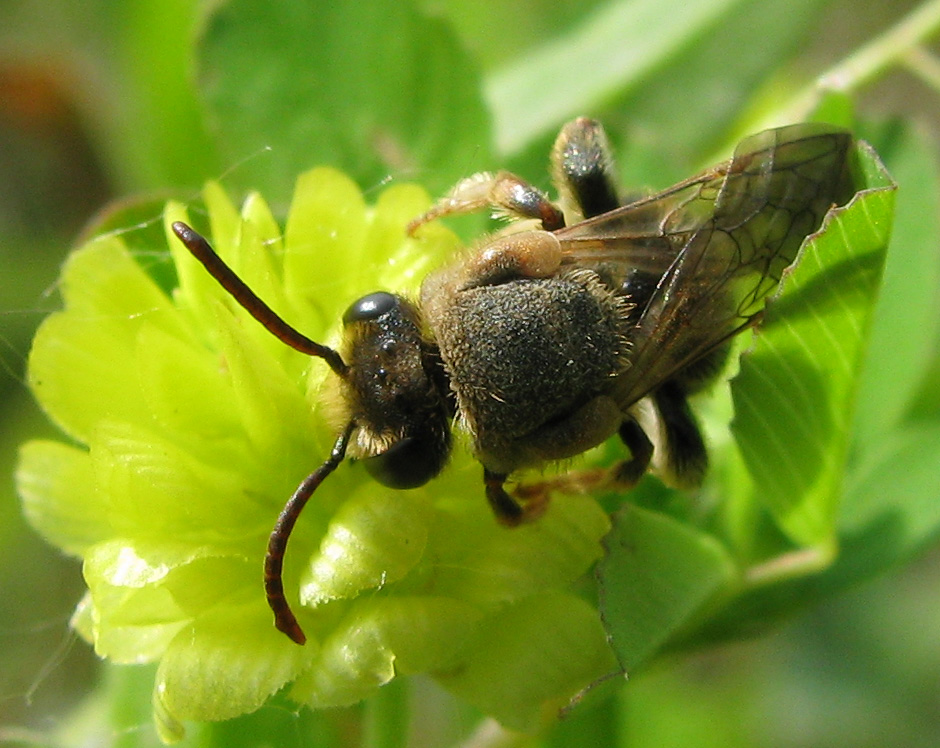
(284, 618)
(248, 299)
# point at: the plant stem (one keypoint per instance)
(886, 50)
(924, 65)
(893, 47)
(788, 566)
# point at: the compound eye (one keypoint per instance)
(409, 463)
(370, 307)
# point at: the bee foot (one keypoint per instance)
(574, 482)
(534, 500)
(627, 474)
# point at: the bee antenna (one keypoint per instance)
(284, 618)
(203, 251)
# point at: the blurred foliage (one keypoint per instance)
(100, 100)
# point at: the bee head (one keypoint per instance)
(394, 393)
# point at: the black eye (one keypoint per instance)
(370, 307)
(408, 464)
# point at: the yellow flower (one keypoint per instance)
(190, 425)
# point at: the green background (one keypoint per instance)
(100, 101)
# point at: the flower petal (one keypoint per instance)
(214, 670)
(535, 655)
(380, 637)
(199, 424)
(72, 362)
(325, 230)
(404, 261)
(374, 539)
(158, 489)
(184, 388)
(490, 564)
(56, 484)
(142, 592)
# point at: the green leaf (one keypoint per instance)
(279, 724)
(286, 74)
(890, 513)
(907, 317)
(793, 409)
(160, 138)
(891, 509)
(794, 396)
(658, 574)
(522, 26)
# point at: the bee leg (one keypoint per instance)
(686, 456)
(586, 427)
(528, 254)
(629, 472)
(503, 192)
(582, 168)
(508, 511)
(697, 376)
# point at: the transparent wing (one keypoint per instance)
(699, 258)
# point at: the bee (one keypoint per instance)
(542, 343)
